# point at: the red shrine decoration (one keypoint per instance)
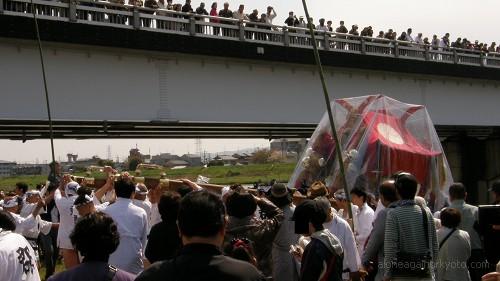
(379, 136)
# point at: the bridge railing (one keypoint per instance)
(166, 21)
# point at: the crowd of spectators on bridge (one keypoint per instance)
(266, 20)
(435, 42)
(125, 230)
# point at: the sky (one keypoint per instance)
(474, 20)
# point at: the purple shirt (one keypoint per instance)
(91, 271)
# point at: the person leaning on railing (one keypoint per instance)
(226, 13)
(201, 11)
(152, 5)
(213, 14)
(115, 18)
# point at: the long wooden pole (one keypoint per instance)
(329, 110)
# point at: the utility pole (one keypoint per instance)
(109, 157)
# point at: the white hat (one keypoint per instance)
(12, 202)
(71, 188)
(83, 201)
(32, 192)
(139, 191)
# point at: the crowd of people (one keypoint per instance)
(292, 21)
(264, 21)
(127, 231)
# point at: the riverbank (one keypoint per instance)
(224, 175)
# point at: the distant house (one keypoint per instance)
(226, 159)
(290, 149)
(163, 158)
(30, 169)
(242, 158)
(135, 153)
(6, 168)
(192, 159)
(176, 164)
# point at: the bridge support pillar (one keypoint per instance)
(326, 41)
(242, 31)
(286, 36)
(455, 56)
(136, 22)
(396, 50)
(192, 26)
(72, 11)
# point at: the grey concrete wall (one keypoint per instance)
(116, 84)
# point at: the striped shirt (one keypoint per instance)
(404, 232)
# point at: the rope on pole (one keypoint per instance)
(47, 101)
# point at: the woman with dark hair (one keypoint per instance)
(164, 240)
(241, 206)
(454, 248)
(214, 13)
(95, 236)
(283, 264)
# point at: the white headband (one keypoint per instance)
(10, 203)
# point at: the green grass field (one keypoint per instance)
(224, 175)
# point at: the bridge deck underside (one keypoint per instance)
(65, 129)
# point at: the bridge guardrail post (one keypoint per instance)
(192, 26)
(481, 59)
(242, 31)
(396, 49)
(426, 53)
(363, 46)
(136, 19)
(326, 41)
(72, 11)
(286, 36)
(455, 56)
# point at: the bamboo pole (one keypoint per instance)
(329, 110)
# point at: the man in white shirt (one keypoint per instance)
(364, 223)
(270, 15)
(17, 258)
(419, 39)
(409, 37)
(132, 225)
(12, 205)
(141, 200)
(154, 197)
(41, 226)
(321, 26)
(342, 211)
(240, 14)
(341, 229)
(64, 197)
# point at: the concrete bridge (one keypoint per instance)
(121, 72)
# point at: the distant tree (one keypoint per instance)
(104, 162)
(276, 157)
(216, 163)
(133, 162)
(261, 156)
